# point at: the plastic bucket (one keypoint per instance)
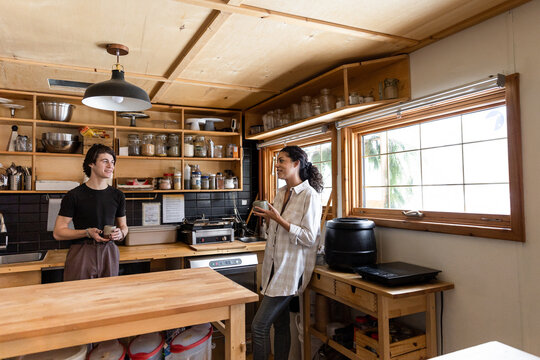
(108, 350)
(71, 353)
(146, 347)
(193, 344)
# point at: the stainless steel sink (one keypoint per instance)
(248, 239)
(25, 257)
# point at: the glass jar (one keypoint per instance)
(134, 145)
(295, 112)
(327, 101)
(174, 147)
(188, 146)
(212, 181)
(232, 150)
(187, 177)
(161, 145)
(235, 182)
(315, 107)
(165, 183)
(177, 181)
(305, 107)
(148, 147)
(200, 146)
(229, 183)
(278, 118)
(205, 182)
(355, 99)
(195, 178)
(340, 102)
(218, 151)
(220, 181)
(268, 120)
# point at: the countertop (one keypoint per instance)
(57, 258)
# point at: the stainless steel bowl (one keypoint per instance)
(60, 142)
(55, 111)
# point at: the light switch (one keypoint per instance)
(244, 202)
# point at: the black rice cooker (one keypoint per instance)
(350, 243)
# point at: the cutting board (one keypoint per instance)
(219, 246)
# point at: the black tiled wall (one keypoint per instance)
(26, 214)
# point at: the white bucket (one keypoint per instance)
(193, 344)
(108, 350)
(71, 353)
(147, 347)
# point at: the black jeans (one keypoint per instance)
(273, 310)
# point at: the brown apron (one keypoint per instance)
(91, 260)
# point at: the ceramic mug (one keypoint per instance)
(108, 230)
(263, 204)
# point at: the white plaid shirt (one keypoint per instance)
(292, 253)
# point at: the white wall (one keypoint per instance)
(497, 283)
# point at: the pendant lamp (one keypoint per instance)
(116, 94)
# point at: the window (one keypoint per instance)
(444, 168)
(320, 155)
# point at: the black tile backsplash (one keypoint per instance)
(26, 214)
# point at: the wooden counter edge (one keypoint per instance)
(57, 258)
(392, 292)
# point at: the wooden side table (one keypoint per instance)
(382, 302)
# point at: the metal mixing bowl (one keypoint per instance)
(60, 142)
(56, 111)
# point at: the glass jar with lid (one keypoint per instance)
(177, 180)
(205, 182)
(315, 107)
(212, 181)
(195, 178)
(161, 145)
(188, 146)
(165, 183)
(218, 151)
(327, 101)
(220, 181)
(305, 107)
(134, 145)
(200, 146)
(148, 147)
(174, 147)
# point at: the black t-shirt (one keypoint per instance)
(93, 208)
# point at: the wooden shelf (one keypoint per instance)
(362, 77)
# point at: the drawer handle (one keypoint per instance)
(353, 289)
(318, 276)
(415, 344)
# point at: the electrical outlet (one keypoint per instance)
(244, 202)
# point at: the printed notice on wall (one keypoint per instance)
(173, 208)
(151, 214)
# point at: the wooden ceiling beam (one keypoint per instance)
(132, 75)
(473, 20)
(199, 40)
(300, 20)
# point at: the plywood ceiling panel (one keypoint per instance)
(74, 32)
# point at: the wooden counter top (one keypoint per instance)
(393, 292)
(57, 258)
(48, 316)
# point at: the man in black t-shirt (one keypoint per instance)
(91, 206)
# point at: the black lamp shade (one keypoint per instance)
(116, 95)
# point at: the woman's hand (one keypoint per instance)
(271, 214)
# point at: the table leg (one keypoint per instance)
(384, 328)
(235, 333)
(431, 325)
(307, 320)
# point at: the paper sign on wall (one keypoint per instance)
(151, 214)
(173, 208)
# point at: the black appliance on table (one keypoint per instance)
(397, 273)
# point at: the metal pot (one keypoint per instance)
(60, 142)
(55, 111)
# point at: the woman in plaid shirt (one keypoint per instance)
(293, 235)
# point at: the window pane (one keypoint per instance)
(375, 173)
(325, 196)
(407, 138)
(404, 168)
(485, 125)
(442, 166)
(326, 172)
(486, 162)
(375, 197)
(326, 150)
(441, 132)
(443, 198)
(375, 144)
(405, 197)
(487, 199)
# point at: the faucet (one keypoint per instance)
(3, 232)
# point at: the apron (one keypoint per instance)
(90, 260)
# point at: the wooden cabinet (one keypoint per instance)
(362, 77)
(164, 119)
(382, 302)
